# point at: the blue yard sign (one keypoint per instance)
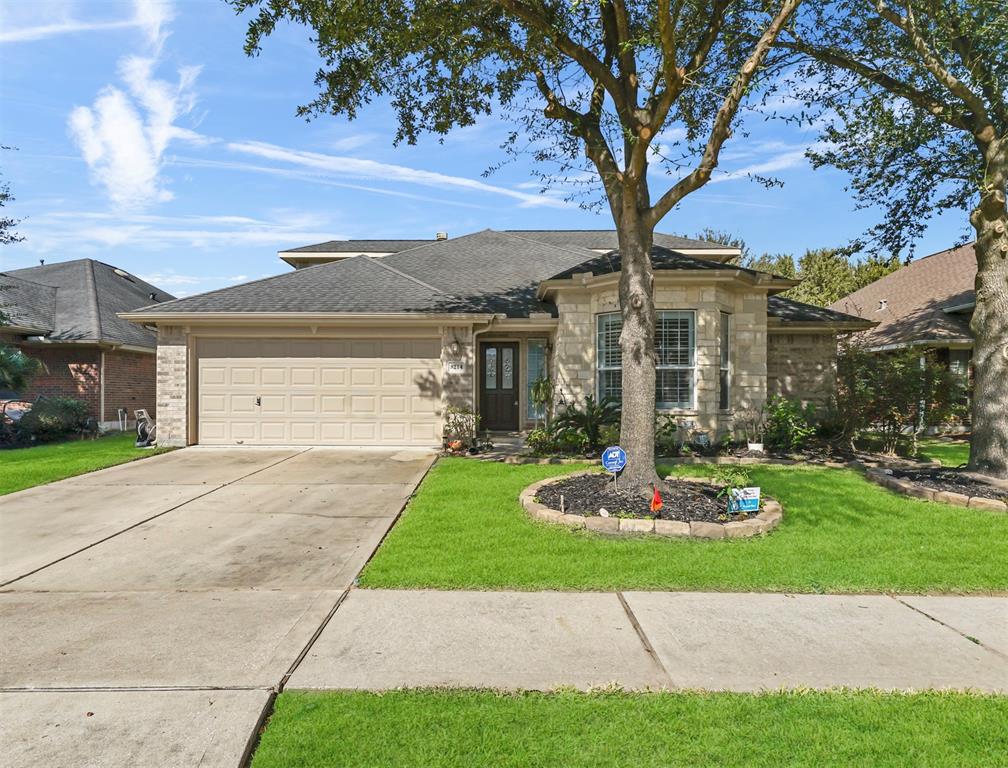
(744, 500)
(613, 459)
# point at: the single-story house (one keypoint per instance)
(928, 303)
(369, 342)
(66, 315)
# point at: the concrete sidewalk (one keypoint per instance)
(381, 639)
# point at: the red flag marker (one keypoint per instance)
(656, 502)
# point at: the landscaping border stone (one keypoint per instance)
(764, 522)
(884, 477)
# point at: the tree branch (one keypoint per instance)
(721, 128)
(933, 63)
(945, 112)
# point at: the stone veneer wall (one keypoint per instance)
(457, 388)
(802, 366)
(574, 347)
(172, 386)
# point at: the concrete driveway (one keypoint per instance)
(149, 611)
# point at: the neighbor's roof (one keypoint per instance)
(913, 304)
(86, 297)
(29, 306)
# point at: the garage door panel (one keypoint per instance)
(327, 391)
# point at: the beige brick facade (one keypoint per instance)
(172, 386)
(802, 366)
(574, 345)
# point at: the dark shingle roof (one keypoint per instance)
(591, 239)
(909, 304)
(482, 273)
(599, 239)
(359, 246)
(661, 258)
(27, 304)
(791, 311)
(88, 295)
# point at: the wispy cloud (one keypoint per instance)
(148, 15)
(773, 157)
(92, 231)
(353, 167)
(123, 135)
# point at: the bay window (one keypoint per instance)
(675, 357)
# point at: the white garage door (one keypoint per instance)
(319, 392)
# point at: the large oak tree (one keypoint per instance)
(916, 94)
(595, 85)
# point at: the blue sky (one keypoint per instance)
(147, 139)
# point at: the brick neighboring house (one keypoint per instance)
(66, 316)
(928, 303)
(369, 342)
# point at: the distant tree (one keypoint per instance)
(915, 98)
(781, 264)
(7, 224)
(594, 87)
(825, 275)
(874, 268)
(726, 238)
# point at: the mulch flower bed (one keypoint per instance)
(951, 481)
(685, 501)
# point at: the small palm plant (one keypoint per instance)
(587, 422)
(541, 395)
(16, 368)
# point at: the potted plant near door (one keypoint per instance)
(753, 423)
(541, 395)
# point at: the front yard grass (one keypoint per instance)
(438, 728)
(22, 468)
(951, 453)
(464, 529)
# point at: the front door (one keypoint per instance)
(499, 385)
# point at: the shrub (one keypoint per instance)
(667, 438)
(541, 442)
(789, 425)
(52, 418)
(894, 393)
(461, 424)
(584, 425)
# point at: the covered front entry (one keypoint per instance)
(499, 385)
(359, 391)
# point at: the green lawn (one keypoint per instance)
(22, 468)
(951, 453)
(436, 729)
(465, 530)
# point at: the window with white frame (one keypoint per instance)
(724, 373)
(535, 369)
(675, 357)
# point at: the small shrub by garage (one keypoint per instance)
(52, 418)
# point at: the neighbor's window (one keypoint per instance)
(724, 374)
(675, 350)
(535, 369)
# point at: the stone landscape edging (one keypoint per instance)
(886, 479)
(764, 522)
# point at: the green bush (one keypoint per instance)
(541, 442)
(52, 418)
(789, 425)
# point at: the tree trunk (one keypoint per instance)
(636, 294)
(989, 446)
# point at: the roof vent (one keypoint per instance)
(123, 274)
(441, 236)
(152, 296)
(883, 305)
(41, 262)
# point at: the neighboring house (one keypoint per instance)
(928, 303)
(371, 349)
(66, 315)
